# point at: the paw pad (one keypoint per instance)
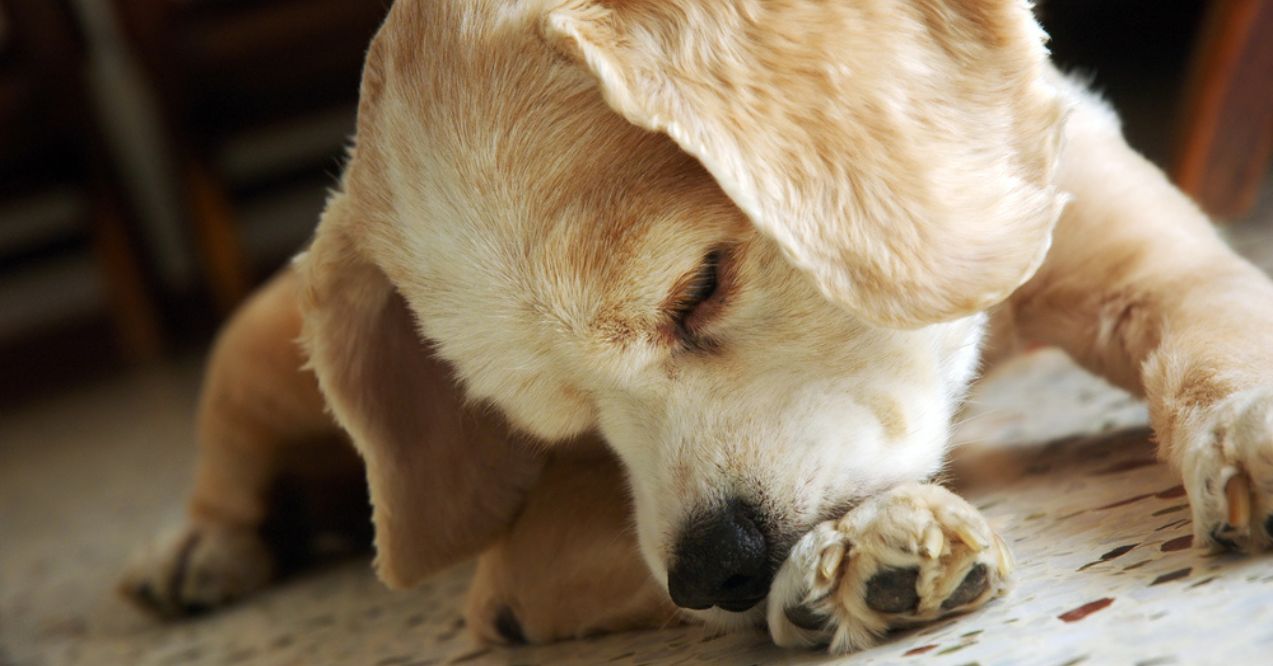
(805, 617)
(975, 583)
(909, 556)
(893, 591)
(508, 627)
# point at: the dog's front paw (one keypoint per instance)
(1225, 454)
(198, 568)
(909, 556)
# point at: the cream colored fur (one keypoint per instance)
(534, 182)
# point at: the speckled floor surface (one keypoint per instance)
(1100, 532)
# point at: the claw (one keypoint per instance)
(934, 542)
(1003, 559)
(830, 562)
(1224, 538)
(971, 538)
(1238, 493)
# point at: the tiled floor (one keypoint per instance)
(1099, 529)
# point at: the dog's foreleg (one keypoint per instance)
(257, 406)
(570, 567)
(1140, 289)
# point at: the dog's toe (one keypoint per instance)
(197, 569)
(1226, 459)
(907, 557)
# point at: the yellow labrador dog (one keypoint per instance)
(664, 307)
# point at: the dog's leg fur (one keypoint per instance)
(1139, 288)
(570, 567)
(260, 420)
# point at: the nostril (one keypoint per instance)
(735, 582)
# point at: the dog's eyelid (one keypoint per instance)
(696, 298)
(705, 282)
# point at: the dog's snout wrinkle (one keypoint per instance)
(722, 559)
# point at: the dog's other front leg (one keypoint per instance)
(905, 557)
(570, 567)
(1139, 288)
(261, 419)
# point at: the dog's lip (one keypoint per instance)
(739, 606)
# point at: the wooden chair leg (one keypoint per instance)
(132, 308)
(1227, 136)
(218, 243)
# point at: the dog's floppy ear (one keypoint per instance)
(900, 152)
(445, 478)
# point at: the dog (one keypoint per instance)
(664, 308)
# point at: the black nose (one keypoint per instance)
(722, 560)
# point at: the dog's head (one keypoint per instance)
(748, 242)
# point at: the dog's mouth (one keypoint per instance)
(741, 605)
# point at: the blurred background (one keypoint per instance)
(160, 157)
(157, 159)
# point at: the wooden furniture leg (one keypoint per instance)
(217, 239)
(1227, 134)
(132, 308)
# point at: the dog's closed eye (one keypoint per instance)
(696, 300)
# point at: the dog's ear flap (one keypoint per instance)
(901, 153)
(445, 478)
